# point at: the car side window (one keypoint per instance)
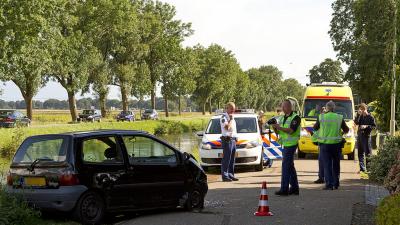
(144, 150)
(102, 150)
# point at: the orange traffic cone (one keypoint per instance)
(263, 207)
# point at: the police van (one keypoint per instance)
(252, 148)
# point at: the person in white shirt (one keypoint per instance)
(228, 140)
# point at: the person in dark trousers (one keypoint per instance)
(321, 177)
(329, 126)
(228, 139)
(366, 123)
(288, 128)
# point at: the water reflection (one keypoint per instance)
(187, 142)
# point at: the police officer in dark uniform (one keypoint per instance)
(366, 123)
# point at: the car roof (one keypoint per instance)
(238, 115)
(89, 133)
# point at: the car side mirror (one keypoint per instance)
(200, 133)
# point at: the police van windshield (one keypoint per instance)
(243, 125)
(313, 108)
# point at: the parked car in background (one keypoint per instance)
(13, 118)
(150, 114)
(106, 171)
(126, 116)
(90, 115)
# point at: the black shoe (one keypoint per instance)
(336, 187)
(294, 192)
(327, 188)
(282, 193)
(233, 178)
(226, 180)
(319, 181)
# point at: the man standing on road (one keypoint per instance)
(366, 123)
(329, 126)
(288, 128)
(228, 139)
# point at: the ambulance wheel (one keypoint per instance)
(350, 156)
(301, 154)
(260, 166)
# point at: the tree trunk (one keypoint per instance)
(204, 108)
(179, 105)
(124, 96)
(153, 98)
(72, 106)
(102, 102)
(29, 108)
(166, 106)
(210, 106)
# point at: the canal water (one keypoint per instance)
(186, 142)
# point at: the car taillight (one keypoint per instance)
(9, 180)
(8, 119)
(68, 180)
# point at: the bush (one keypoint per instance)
(14, 210)
(169, 127)
(384, 160)
(9, 147)
(388, 211)
(392, 180)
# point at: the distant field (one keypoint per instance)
(64, 116)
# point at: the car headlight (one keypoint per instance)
(252, 144)
(205, 146)
(304, 133)
(349, 134)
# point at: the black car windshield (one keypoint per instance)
(313, 108)
(88, 112)
(243, 125)
(148, 111)
(50, 148)
(5, 113)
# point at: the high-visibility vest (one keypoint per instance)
(330, 126)
(288, 140)
(314, 137)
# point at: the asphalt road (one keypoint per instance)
(234, 203)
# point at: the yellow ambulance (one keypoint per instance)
(315, 98)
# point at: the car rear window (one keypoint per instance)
(5, 113)
(51, 149)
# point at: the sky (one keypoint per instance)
(289, 34)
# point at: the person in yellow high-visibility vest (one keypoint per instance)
(329, 126)
(288, 128)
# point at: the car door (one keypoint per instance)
(103, 166)
(156, 172)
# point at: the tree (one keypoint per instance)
(73, 53)
(362, 34)
(327, 71)
(25, 32)
(160, 29)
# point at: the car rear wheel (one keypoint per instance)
(90, 208)
(99, 120)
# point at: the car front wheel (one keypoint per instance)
(90, 209)
(195, 200)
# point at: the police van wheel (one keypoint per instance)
(301, 154)
(260, 166)
(350, 156)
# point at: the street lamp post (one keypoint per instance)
(393, 97)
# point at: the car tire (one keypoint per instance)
(90, 208)
(99, 120)
(300, 154)
(195, 200)
(260, 167)
(350, 156)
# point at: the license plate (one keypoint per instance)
(221, 155)
(35, 181)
